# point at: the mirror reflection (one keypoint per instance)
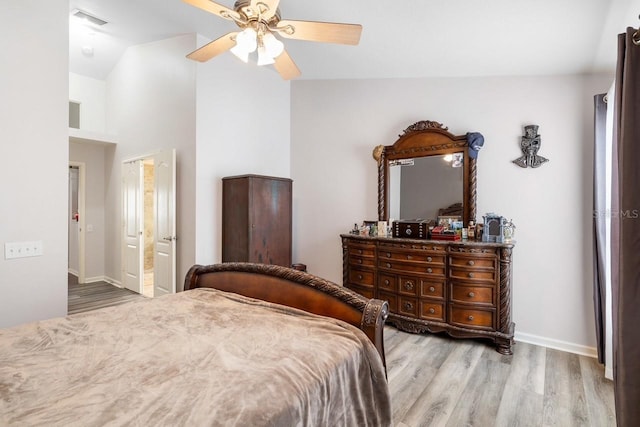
(426, 187)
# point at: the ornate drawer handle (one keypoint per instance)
(359, 261)
(388, 255)
(471, 294)
(470, 318)
(471, 262)
(429, 259)
(409, 257)
(471, 275)
(386, 282)
(429, 270)
(408, 286)
(359, 276)
(432, 310)
(360, 251)
(432, 289)
(408, 306)
(388, 265)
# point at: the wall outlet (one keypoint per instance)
(14, 250)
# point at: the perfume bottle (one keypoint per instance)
(471, 230)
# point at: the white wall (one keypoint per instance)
(336, 124)
(151, 106)
(93, 156)
(34, 149)
(152, 103)
(243, 125)
(91, 94)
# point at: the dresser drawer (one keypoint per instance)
(431, 288)
(414, 256)
(472, 294)
(408, 286)
(422, 268)
(472, 274)
(362, 250)
(358, 260)
(471, 317)
(361, 277)
(387, 282)
(431, 310)
(472, 262)
(408, 306)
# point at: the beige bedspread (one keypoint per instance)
(200, 358)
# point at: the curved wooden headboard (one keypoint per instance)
(296, 289)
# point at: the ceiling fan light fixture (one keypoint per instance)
(240, 53)
(263, 56)
(269, 48)
(258, 21)
(246, 42)
(273, 46)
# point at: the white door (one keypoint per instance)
(132, 217)
(164, 256)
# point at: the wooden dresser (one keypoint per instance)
(461, 288)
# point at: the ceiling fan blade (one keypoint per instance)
(327, 32)
(286, 67)
(216, 9)
(214, 48)
(267, 8)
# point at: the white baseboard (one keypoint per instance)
(557, 344)
(113, 281)
(101, 279)
(73, 272)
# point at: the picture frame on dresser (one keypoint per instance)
(462, 288)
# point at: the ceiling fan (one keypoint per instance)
(259, 20)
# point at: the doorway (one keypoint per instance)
(149, 240)
(76, 221)
(148, 184)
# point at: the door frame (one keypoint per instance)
(142, 158)
(81, 219)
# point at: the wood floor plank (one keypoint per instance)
(434, 405)
(477, 404)
(411, 372)
(598, 392)
(564, 401)
(521, 402)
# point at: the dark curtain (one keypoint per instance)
(599, 221)
(626, 232)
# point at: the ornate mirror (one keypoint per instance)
(426, 173)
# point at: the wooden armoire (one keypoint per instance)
(256, 219)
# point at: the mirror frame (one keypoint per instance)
(421, 139)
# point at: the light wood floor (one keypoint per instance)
(437, 381)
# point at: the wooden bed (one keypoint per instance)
(245, 344)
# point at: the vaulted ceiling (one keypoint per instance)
(400, 38)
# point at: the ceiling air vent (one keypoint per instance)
(84, 15)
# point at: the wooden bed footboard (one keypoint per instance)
(296, 289)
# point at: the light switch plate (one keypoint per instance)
(15, 250)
